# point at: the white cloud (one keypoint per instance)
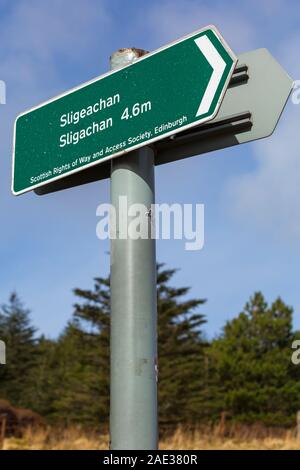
(41, 42)
(268, 197)
(168, 20)
(45, 29)
(288, 54)
(37, 37)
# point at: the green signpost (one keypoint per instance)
(167, 91)
(160, 94)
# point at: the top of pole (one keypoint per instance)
(125, 56)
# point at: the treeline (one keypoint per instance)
(245, 373)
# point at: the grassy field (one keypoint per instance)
(74, 438)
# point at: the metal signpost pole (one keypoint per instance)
(133, 404)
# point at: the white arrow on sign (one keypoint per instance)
(218, 64)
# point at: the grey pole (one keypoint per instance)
(133, 396)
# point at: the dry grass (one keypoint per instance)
(203, 440)
(72, 438)
(237, 438)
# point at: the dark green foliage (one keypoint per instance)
(16, 377)
(247, 372)
(180, 352)
(82, 356)
(252, 364)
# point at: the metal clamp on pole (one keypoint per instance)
(229, 124)
(239, 76)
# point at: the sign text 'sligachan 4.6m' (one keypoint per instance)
(176, 87)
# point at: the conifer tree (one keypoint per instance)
(84, 355)
(82, 352)
(17, 376)
(181, 348)
(252, 361)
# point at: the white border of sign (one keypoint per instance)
(143, 144)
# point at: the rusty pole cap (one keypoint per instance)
(125, 56)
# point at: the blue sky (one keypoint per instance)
(48, 244)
